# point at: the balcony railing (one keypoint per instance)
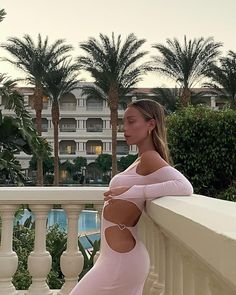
(69, 128)
(191, 241)
(96, 128)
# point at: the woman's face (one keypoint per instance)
(135, 127)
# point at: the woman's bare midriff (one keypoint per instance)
(121, 212)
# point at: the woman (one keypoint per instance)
(123, 263)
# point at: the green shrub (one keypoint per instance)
(228, 194)
(23, 244)
(203, 147)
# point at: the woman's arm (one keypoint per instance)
(173, 183)
(169, 181)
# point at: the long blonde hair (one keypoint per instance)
(151, 109)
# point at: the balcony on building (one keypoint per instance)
(46, 102)
(120, 127)
(94, 147)
(67, 125)
(122, 148)
(44, 124)
(68, 103)
(67, 147)
(94, 104)
(94, 125)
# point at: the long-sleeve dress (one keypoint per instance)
(123, 264)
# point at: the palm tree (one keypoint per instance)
(186, 64)
(170, 97)
(114, 69)
(59, 81)
(2, 14)
(34, 60)
(223, 78)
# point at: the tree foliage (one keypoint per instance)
(223, 78)
(17, 134)
(187, 63)
(115, 69)
(202, 144)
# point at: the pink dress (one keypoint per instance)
(122, 269)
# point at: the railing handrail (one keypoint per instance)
(210, 226)
(52, 195)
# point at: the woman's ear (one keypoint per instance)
(152, 124)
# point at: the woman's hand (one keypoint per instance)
(115, 192)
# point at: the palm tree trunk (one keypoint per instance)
(113, 100)
(38, 106)
(185, 97)
(55, 122)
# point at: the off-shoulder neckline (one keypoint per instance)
(134, 168)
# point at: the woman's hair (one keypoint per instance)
(151, 109)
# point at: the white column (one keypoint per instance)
(81, 147)
(213, 102)
(98, 207)
(26, 100)
(72, 261)
(81, 122)
(8, 258)
(40, 260)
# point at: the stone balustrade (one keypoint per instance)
(191, 241)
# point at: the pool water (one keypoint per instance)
(88, 223)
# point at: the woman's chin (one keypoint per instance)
(129, 141)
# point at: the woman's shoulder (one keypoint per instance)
(150, 161)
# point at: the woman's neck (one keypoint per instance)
(143, 149)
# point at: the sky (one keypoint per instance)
(153, 20)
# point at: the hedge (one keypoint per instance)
(202, 145)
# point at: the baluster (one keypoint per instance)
(177, 268)
(40, 260)
(156, 256)
(218, 289)
(99, 208)
(8, 258)
(152, 276)
(169, 268)
(142, 233)
(162, 263)
(201, 284)
(72, 260)
(188, 282)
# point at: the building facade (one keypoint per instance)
(84, 126)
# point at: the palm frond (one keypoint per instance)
(223, 77)
(2, 14)
(186, 64)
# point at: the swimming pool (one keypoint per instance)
(88, 223)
